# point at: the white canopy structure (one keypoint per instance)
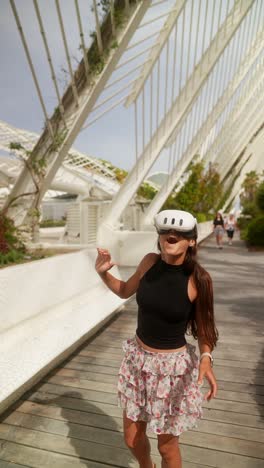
(76, 175)
(191, 69)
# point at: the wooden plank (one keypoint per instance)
(102, 355)
(247, 420)
(235, 407)
(102, 349)
(79, 433)
(83, 375)
(256, 390)
(238, 375)
(240, 396)
(7, 464)
(239, 364)
(91, 430)
(226, 444)
(97, 361)
(91, 451)
(80, 393)
(217, 459)
(92, 368)
(246, 341)
(88, 416)
(113, 410)
(82, 383)
(44, 399)
(36, 458)
(97, 418)
(229, 430)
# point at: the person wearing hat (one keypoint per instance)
(160, 378)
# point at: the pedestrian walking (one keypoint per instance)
(218, 227)
(230, 227)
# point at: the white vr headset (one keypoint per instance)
(180, 221)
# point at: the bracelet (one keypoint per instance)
(209, 355)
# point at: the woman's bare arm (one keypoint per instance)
(123, 289)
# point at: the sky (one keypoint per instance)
(20, 105)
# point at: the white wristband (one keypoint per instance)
(209, 355)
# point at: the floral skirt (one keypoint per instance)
(160, 388)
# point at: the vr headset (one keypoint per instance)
(181, 222)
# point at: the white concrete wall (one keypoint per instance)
(33, 288)
(48, 307)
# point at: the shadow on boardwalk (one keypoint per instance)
(79, 429)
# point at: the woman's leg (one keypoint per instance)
(168, 446)
(218, 238)
(137, 441)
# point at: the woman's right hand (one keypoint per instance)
(103, 261)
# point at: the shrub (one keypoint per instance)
(10, 238)
(255, 232)
(201, 217)
(13, 256)
(52, 223)
(243, 222)
(250, 209)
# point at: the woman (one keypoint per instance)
(230, 227)
(160, 376)
(218, 226)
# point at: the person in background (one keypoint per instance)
(160, 378)
(230, 227)
(218, 227)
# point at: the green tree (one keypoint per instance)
(120, 174)
(248, 196)
(252, 201)
(200, 194)
(189, 196)
(211, 190)
(249, 186)
(260, 196)
(146, 191)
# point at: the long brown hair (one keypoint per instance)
(203, 306)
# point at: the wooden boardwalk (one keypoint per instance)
(70, 419)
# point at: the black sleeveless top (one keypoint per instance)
(164, 307)
(218, 222)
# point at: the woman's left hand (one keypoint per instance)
(206, 371)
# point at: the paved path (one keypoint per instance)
(70, 418)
